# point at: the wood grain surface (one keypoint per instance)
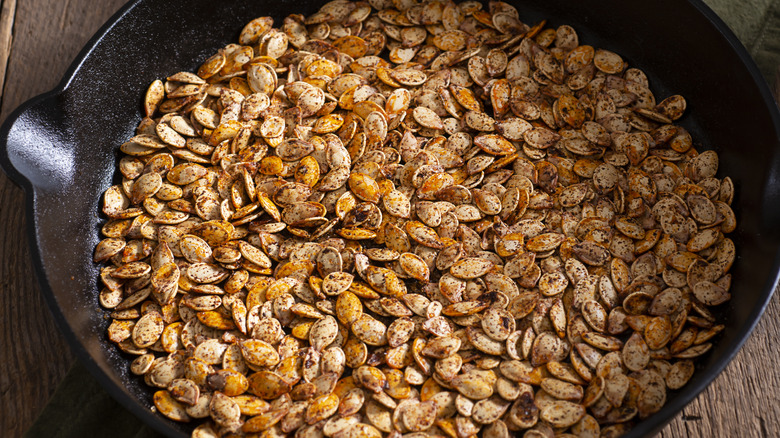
(44, 37)
(39, 39)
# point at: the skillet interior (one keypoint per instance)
(62, 148)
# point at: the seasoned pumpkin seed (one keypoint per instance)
(478, 231)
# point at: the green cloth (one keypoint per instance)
(757, 24)
(81, 408)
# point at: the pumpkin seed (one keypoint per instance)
(483, 229)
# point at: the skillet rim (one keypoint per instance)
(157, 422)
(162, 425)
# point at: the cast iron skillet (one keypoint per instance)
(61, 148)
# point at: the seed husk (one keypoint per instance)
(480, 232)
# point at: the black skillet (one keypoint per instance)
(61, 148)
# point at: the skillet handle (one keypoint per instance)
(33, 147)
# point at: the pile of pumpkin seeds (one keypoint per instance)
(394, 218)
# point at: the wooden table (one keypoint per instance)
(39, 39)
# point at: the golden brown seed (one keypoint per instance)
(169, 407)
(329, 237)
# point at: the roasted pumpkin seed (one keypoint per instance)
(480, 232)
